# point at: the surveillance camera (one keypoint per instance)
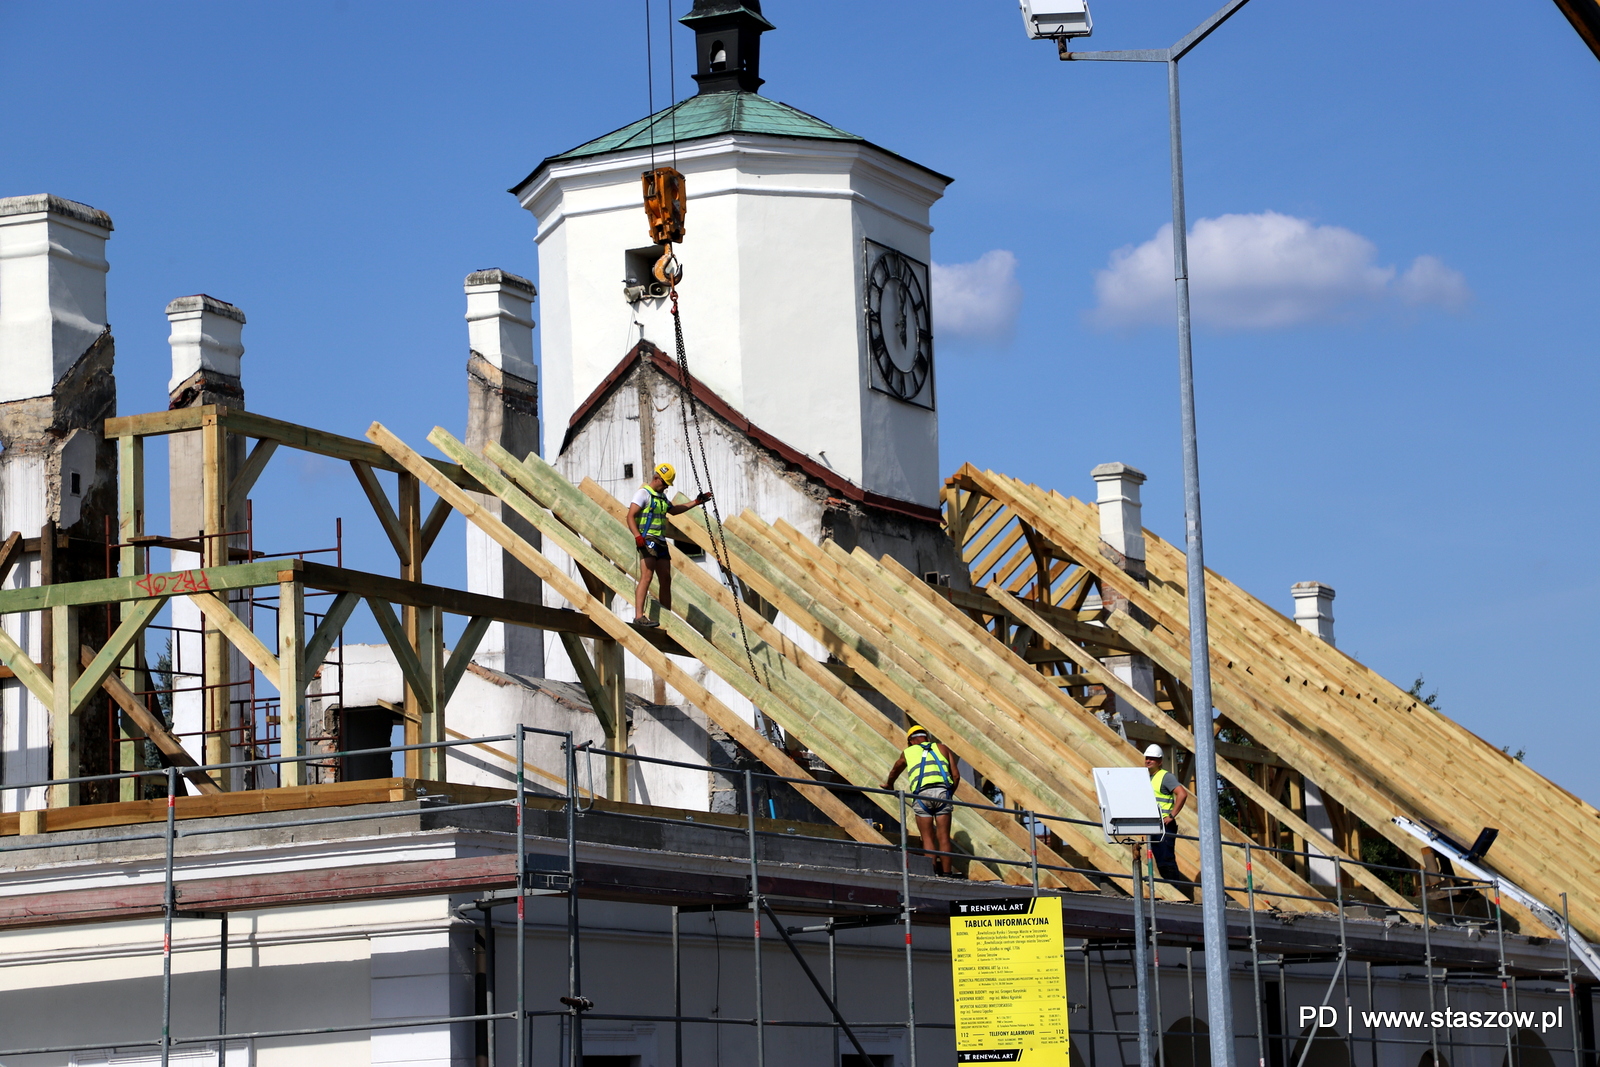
(1056, 19)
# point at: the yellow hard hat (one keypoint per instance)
(667, 472)
(914, 731)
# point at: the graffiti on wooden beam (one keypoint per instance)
(177, 582)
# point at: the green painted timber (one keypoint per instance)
(840, 735)
(144, 586)
(692, 636)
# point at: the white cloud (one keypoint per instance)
(1266, 271)
(1429, 281)
(977, 301)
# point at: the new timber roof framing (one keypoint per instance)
(1020, 731)
(1372, 748)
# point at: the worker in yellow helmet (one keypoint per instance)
(647, 518)
(930, 770)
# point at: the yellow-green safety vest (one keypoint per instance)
(926, 765)
(1164, 798)
(653, 516)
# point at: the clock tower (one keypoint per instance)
(805, 300)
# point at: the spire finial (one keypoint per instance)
(727, 44)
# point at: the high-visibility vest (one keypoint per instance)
(926, 765)
(653, 516)
(1164, 798)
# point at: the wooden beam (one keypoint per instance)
(796, 578)
(574, 593)
(10, 552)
(316, 576)
(589, 678)
(611, 666)
(1064, 621)
(230, 626)
(385, 511)
(251, 424)
(405, 656)
(430, 703)
(65, 726)
(153, 728)
(409, 506)
(118, 643)
(29, 673)
(328, 630)
(982, 830)
(291, 679)
(807, 704)
(1035, 720)
(130, 526)
(1179, 735)
(462, 655)
(245, 480)
(217, 666)
(438, 515)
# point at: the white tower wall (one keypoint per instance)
(771, 298)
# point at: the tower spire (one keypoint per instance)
(727, 44)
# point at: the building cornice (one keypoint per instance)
(616, 174)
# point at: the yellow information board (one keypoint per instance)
(1010, 976)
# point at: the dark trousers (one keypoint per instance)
(1164, 848)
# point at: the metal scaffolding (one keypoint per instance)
(1162, 947)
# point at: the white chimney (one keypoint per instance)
(500, 321)
(207, 336)
(503, 407)
(1313, 611)
(1122, 534)
(1313, 608)
(1120, 525)
(52, 290)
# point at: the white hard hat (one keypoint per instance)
(1154, 752)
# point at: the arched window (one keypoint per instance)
(1528, 1050)
(1187, 1043)
(1428, 1060)
(1328, 1050)
(719, 56)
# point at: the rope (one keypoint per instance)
(650, 85)
(689, 408)
(672, 85)
(689, 412)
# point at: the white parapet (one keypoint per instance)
(1313, 608)
(1121, 524)
(52, 290)
(207, 335)
(500, 320)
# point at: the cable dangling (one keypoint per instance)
(689, 411)
(665, 204)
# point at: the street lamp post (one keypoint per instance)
(1219, 999)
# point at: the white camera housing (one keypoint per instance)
(1057, 19)
(1127, 803)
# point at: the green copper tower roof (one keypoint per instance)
(710, 115)
(714, 115)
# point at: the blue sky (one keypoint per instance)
(1425, 447)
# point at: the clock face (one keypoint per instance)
(899, 326)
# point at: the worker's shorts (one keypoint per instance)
(933, 801)
(656, 548)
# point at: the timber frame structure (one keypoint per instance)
(1013, 677)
